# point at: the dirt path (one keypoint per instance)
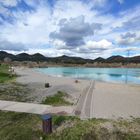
(84, 106)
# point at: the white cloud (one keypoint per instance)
(2, 9)
(6, 45)
(58, 44)
(32, 3)
(32, 28)
(101, 45)
(92, 48)
(98, 3)
(35, 27)
(121, 1)
(10, 3)
(128, 39)
(72, 34)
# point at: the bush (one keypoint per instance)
(57, 99)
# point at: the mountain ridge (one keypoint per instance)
(68, 59)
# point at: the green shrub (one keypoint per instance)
(57, 99)
(5, 75)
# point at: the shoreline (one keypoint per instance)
(109, 100)
(80, 79)
(87, 79)
(83, 66)
(37, 80)
(33, 64)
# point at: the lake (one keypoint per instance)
(119, 75)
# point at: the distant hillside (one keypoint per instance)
(116, 59)
(135, 59)
(100, 59)
(70, 60)
(5, 54)
(67, 59)
(38, 57)
(22, 57)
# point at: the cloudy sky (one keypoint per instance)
(85, 28)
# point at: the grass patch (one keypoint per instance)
(4, 68)
(57, 100)
(15, 92)
(137, 120)
(19, 126)
(92, 130)
(58, 120)
(22, 126)
(5, 75)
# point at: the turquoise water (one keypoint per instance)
(121, 75)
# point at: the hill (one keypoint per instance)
(116, 59)
(67, 59)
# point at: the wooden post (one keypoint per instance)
(47, 123)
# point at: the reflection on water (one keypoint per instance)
(121, 75)
(116, 75)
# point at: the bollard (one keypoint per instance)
(47, 123)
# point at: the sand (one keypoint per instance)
(37, 80)
(103, 100)
(116, 100)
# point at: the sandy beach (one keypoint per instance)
(37, 80)
(92, 99)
